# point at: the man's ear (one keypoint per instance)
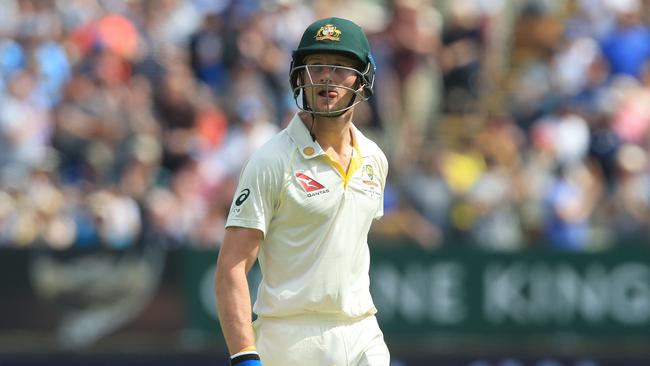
(300, 80)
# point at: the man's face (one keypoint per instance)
(329, 81)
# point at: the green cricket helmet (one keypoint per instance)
(333, 35)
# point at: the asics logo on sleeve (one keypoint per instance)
(243, 196)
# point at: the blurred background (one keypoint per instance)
(517, 209)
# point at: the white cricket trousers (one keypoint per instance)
(317, 342)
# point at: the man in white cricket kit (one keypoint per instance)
(303, 208)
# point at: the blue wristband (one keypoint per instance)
(248, 359)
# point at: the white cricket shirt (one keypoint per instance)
(315, 219)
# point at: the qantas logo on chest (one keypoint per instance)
(310, 185)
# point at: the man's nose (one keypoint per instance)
(325, 72)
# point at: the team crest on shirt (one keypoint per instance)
(310, 185)
(368, 176)
(370, 180)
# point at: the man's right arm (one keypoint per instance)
(236, 257)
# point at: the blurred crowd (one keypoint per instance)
(507, 123)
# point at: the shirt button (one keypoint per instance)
(308, 151)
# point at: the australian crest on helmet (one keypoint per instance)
(329, 32)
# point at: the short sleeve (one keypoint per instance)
(383, 166)
(255, 198)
